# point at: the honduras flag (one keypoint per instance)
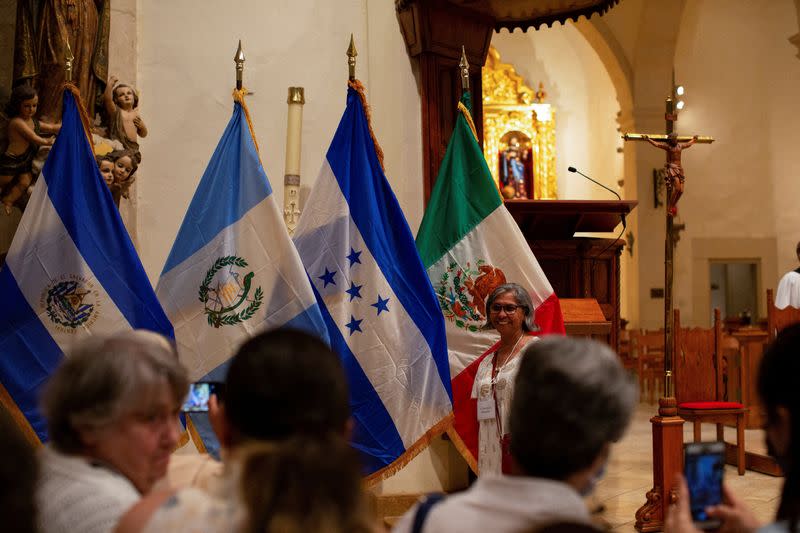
(380, 310)
(71, 271)
(233, 270)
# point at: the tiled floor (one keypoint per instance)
(630, 476)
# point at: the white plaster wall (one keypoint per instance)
(580, 89)
(742, 78)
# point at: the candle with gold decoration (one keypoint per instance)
(291, 179)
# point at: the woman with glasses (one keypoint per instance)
(510, 312)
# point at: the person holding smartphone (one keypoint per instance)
(285, 403)
(777, 387)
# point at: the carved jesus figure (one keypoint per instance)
(673, 168)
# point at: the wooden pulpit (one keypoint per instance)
(578, 267)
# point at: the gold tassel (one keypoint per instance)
(441, 427)
(359, 88)
(68, 86)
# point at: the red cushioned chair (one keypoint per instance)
(697, 363)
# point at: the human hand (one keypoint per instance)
(138, 122)
(734, 514)
(112, 80)
(679, 517)
(645, 136)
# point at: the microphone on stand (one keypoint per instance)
(612, 191)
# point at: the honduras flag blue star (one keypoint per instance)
(383, 318)
(71, 271)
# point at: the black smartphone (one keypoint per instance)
(199, 394)
(703, 466)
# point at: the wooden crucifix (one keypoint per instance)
(667, 426)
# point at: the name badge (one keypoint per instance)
(486, 409)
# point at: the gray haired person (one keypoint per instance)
(112, 414)
(509, 311)
(572, 400)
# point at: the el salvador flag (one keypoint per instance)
(377, 301)
(71, 271)
(233, 271)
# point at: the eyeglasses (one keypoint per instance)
(508, 308)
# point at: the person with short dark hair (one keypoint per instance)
(777, 388)
(572, 400)
(112, 417)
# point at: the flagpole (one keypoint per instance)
(463, 65)
(351, 58)
(69, 58)
(239, 60)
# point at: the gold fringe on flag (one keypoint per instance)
(357, 86)
(412, 451)
(238, 96)
(468, 116)
(67, 86)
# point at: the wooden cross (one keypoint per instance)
(667, 427)
(672, 144)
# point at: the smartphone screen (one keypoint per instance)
(704, 464)
(199, 394)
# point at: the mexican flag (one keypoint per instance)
(470, 244)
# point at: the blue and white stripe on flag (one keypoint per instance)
(71, 271)
(233, 271)
(381, 312)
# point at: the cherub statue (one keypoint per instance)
(24, 139)
(125, 166)
(673, 168)
(125, 123)
(106, 165)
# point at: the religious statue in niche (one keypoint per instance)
(43, 29)
(25, 136)
(515, 166)
(124, 122)
(511, 108)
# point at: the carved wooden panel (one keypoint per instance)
(435, 31)
(584, 267)
(695, 375)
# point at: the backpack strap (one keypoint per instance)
(423, 509)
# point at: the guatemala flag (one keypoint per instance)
(377, 301)
(71, 271)
(233, 271)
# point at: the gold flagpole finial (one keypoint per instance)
(239, 60)
(351, 58)
(69, 58)
(463, 65)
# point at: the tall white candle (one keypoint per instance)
(291, 179)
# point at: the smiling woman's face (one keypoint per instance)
(505, 320)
